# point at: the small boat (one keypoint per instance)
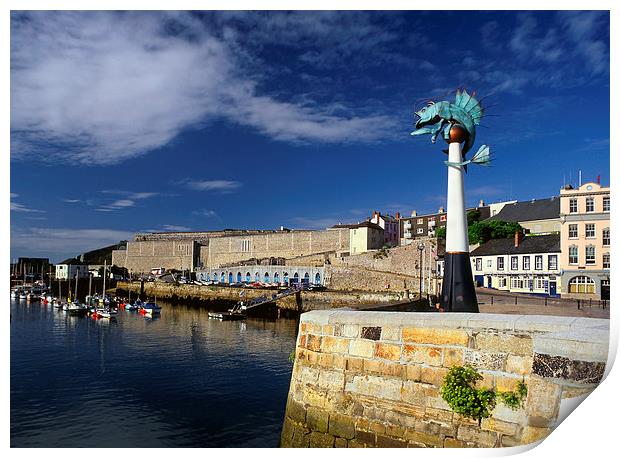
(22, 296)
(131, 307)
(150, 308)
(75, 308)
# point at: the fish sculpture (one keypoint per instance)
(439, 117)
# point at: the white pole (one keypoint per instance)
(456, 225)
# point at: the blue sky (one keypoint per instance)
(130, 122)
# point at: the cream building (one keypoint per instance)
(585, 241)
(364, 237)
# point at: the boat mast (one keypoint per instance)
(77, 275)
(105, 264)
(90, 282)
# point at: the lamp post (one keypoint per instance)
(421, 249)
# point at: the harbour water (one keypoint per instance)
(180, 380)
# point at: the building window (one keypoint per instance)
(572, 206)
(245, 246)
(502, 282)
(514, 262)
(590, 254)
(526, 263)
(552, 261)
(420, 230)
(572, 231)
(489, 263)
(589, 204)
(581, 285)
(442, 217)
(605, 204)
(420, 220)
(573, 255)
(478, 263)
(538, 262)
(590, 231)
(606, 261)
(500, 263)
(606, 236)
(540, 283)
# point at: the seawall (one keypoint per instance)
(303, 301)
(373, 379)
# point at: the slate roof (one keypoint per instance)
(529, 245)
(530, 210)
(72, 261)
(355, 226)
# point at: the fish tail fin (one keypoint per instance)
(482, 156)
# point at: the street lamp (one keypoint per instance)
(421, 249)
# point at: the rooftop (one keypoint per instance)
(531, 210)
(529, 245)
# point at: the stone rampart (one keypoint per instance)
(373, 379)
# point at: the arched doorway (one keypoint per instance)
(296, 278)
(276, 277)
(238, 277)
(248, 277)
(223, 278)
(267, 280)
(230, 277)
(307, 279)
(581, 285)
(256, 277)
(285, 278)
(317, 279)
(208, 277)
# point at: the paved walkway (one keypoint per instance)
(532, 305)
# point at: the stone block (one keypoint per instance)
(301, 437)
(338, 330)
(321, 440)
(509, 441)
(506, 414)
(295, 411)
(313, 342)
(532, 434)
(390, 333)
(372, 366)
(328, 329)
(341, 426)
(433, 375)
(416, 393)
(335, 345)
(568, 369)
(488, 361)
(325, 360)
(440, 414)
(309, 375)
(434, 428)
(387, 351)
(431, 440)
(436, 336)
(393, 370)
(422, 355)
(520, 365)
(499, 426)
(366, 437)
(340, 443)
(375, 386)
(505, 343)
(452, 357)
(313, 397)
(451, 442)
(317, 419)
(503, 383)
(312, 357)
(354, 364)
(287, 433)
(478, 436)
(395, 430)
(437, 403)
(543, 398)
(339, 362)
(362, 348)
(371, 332)
(331, 380)
(350, 330)
(354, 443)
(389, 442)
(302, 340)
(412, 372)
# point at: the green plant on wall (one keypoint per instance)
(460, 392)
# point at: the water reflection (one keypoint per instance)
(180, 379)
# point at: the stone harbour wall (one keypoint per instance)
(373, 379)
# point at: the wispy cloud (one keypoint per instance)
(17, 207)
(103, 87)
(71, 201)
(210, 185)
(173, 228)
(204, 212)
(117, 205)
(61, 243)
(129, 199)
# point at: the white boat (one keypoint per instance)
(150, 308)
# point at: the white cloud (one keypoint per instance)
(61, 243)
(71, 201)
(102, 87)
(117, 205)
(211, 185)
(173, 228)
(204, 212)
(17, 207)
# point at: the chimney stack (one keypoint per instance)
(518, 238)
(397, 215)
(414, 213)
(441, 210)
(481, 203)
